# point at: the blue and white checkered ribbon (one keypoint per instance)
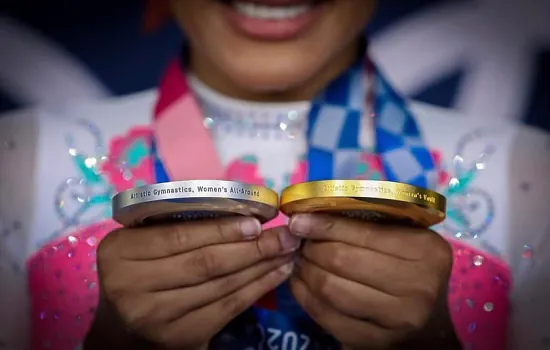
(335, 125)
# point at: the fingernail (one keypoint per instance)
(250, 228)
(300, 225)
(289, 243)
(286, 269)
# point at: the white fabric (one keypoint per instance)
(35, 161)
(262, 130)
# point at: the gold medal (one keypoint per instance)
(193, 200)
(381, 201)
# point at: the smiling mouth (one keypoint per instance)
(272, 10)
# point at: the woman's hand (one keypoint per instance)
(176, 286)
(374, 286)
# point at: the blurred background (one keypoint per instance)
(486, 58)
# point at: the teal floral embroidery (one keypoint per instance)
(87, 167)
(470, 210)
(249, 159)
(369, 167)
(456, 190)
(136, 153)
(90, 174)
(269, 183)
(86, 198)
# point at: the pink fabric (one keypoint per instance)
(244, 170)
(172, 87)
(179, 128)
(187, 137)
(139, 174)
(63, 288)
(443, 175)
(478, 298)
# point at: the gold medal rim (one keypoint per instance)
(339, 195)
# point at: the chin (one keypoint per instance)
(271, 79)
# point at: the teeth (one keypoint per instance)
(254, 10)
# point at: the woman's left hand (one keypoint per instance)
(373, 286)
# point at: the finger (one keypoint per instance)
(211, 262)
(172, 304)
(383, 272)
(360, 301)
(404, 242)
(351, 332)
(212, 318)
(157, 242)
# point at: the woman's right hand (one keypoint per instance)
(178, 285)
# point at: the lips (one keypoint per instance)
(280, 2)
(276, 2)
